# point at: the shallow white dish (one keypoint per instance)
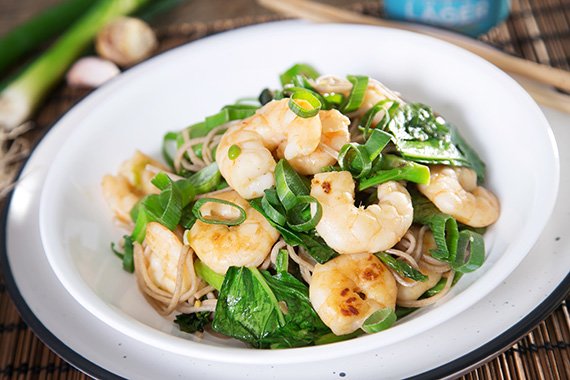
(171, 91)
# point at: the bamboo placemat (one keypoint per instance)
(536, 30)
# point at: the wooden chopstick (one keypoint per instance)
(538, 72)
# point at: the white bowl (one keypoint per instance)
(180, 87)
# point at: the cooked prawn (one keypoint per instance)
(454, 191)
(132, 182)
(349, 288)
(273, 126)
(162, 256)
(350, 229)
(220, 246)
(334, 135)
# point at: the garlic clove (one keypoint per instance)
(91, 72)
(126, 41)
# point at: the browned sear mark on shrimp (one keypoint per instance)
(344, 292)
(326, 185)
(349, 310)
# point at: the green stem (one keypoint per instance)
(31, 34)
(29, 88)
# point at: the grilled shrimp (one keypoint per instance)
(454, 191)
(274, 126)
(162, 258)
(220, 246)
(131, 183)
(412, 293)
(349, 288)
(334, 135)
(350, 229)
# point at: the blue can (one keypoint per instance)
(471, 17)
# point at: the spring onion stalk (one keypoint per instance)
(298, 69)
(354, 157)
(305, 103)
(470, 252)
(273, 208)
(401, 267)
(228, 222)
(31, 34)
(289, 184)
(379, 320)
(394, 168)
(387, 106)
(354, 100)
(207, 274)
(23, 94)
(300, 217)
(443, 227)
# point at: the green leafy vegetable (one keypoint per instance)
(422, 136)
(266, 311)
(127, 255)
(191, 323)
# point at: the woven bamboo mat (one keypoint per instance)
(536, 30)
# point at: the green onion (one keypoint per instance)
(234, 152)
(24, 92)
(228, 222)
(401, 267)
(379, 320)
(440, 285)
(206, 180)
(354, 100)
(288, 184)
(282, 261)
(443, 227)
(305, 97)
(394, 168)
(388, 106)
(354, 158)
(207, 274)
(470, 252)
(31, 34)
(273, 208)
(334, 100)
(301, 221)
(376, 143)
(298, 69)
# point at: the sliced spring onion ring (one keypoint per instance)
(304, 103)
(354, 100)
(354, 158)
(298, 69)
(379, 320)
(228, 222)
(233, 152)
(470, 252)
(388, 106)
(288, 184)
(376, 143)
(272, 207)
(207, 274)
(300, 217)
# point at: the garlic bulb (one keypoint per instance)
(91, 72)
(126, 41)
